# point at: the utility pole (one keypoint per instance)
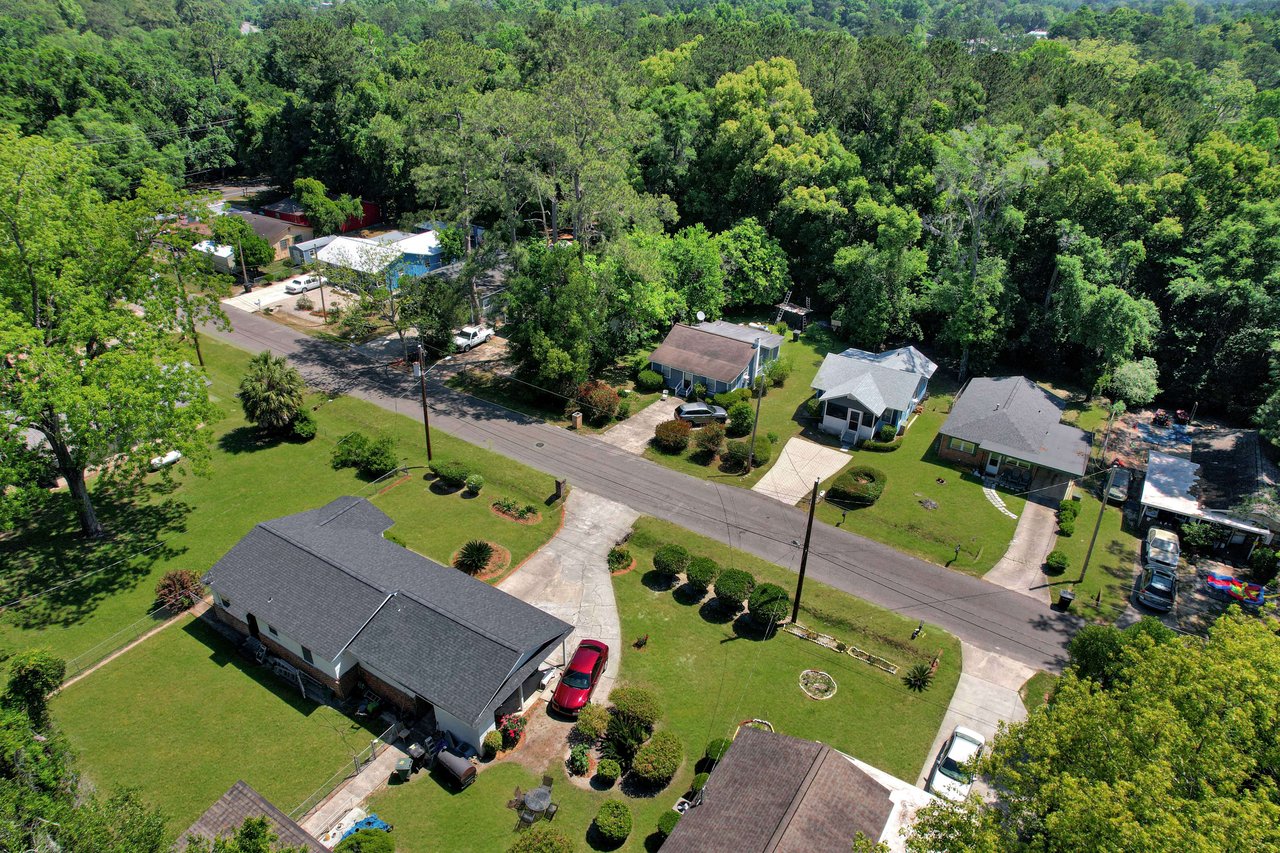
(804, 555)
(422, 388)
(1111, 473)
(751, 451)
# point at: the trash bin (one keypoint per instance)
(1065, 598)
(795, 334)
(577, 420)
(404, 767)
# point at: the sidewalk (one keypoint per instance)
(352, 793)
(569, 576)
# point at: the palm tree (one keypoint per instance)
(271, 393)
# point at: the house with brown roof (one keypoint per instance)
(718, 355)
(236, 806)
(280, 233)
(772, 792)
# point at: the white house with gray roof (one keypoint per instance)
(325, 591)
(862, 391)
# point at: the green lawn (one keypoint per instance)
(1036, 689)
(779, 410)
(182, 717)
(710, 676)
(963, 516)
(1112, 568)
(196, 521)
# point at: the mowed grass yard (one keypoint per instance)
(963, 516)
(780, 411)
(181, 717)
(193, 523)
(1112, 567)
(710, 675)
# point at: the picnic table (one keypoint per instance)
(538, 800)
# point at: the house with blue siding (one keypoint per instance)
(718, 355)
(422, 253)
(862, 391)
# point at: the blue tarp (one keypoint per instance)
(371, 822)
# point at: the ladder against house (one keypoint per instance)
(782, 308)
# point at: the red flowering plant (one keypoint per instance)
(512, 728)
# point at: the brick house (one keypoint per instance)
(326, 592)
(1009, 427)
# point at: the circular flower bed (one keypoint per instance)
(816, 684)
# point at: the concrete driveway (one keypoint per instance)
(800, 463)
(569, 577)
(1021, 569)
(987, 694)
(633, 434)
(259, 296)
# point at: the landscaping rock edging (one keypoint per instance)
(830, 642)
(817, 676)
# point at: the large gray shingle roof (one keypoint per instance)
(1011, 415)
(320, 576)
(703, 353)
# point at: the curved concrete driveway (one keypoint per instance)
(569, 576)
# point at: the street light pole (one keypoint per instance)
(422, 388)
(1111, 473)
(804, 555)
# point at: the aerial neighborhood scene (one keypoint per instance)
(546, 427)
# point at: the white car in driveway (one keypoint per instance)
(950, 779)
(305, 283)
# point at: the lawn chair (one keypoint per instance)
(547, 781)
(526, 820)
(550, 813)
(517, 799)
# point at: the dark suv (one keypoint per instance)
(1158, 587)
(701, 413)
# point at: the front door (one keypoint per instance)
(993, 464)
(855, 420)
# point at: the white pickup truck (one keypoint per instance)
(471, 336)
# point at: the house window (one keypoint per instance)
(837, 410)
(271, 629)
(284, 244)
(962, 446)
(306, 655)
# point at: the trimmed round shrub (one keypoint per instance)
(667, 823)
(673, 435)
(579, 759)
(607, 772)
(613, 821)
(762, 451)
(659, 759)
(777, 371)
(541, 838)
(649, 381)
(726, 399)
(492, 744)
(593, 721)
(304, 426)
(735, 455)
(1066, 526)
(769, 604)
(599, 401)
(636, 704)
(474, 484)
(717, 748)
(619, 558)
(474, 556)
(452, 474)
(886, 433)
(1068, 509)
(701, 573)
(699, 782)
(709, 438)
(367, 841)
(733, 587)
(1057, 561)
(741, 416)
(670, 560)
(859, 486)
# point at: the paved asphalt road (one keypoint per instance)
(990, 617)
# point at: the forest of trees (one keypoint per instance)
(1101, 205)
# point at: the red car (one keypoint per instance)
(580, 677)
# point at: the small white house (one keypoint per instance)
(718, 355)
(223, 257)
(862, 391)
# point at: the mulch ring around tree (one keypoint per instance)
(816, 684)
(529, 519)
(498, 563)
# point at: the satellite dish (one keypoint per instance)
(701, 316)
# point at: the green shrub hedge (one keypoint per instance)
(769, 603)
(541, 838)
(649, 381)
(452, 474)
(859, 486)
(667, 823)
(593, 721)
(370, 457)
(717, 748)
(1057, 561)
(670, 560)
(367, 841)
(659, 759)
(579, 759)
(735, 454)
(673, 435)
(699, 782)
(637, 704)
(741, 416)
(734, 586)
(709, 438)
(608, 771)
(701, 573)
(492, 743)
(613, 821)
(303, 426)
